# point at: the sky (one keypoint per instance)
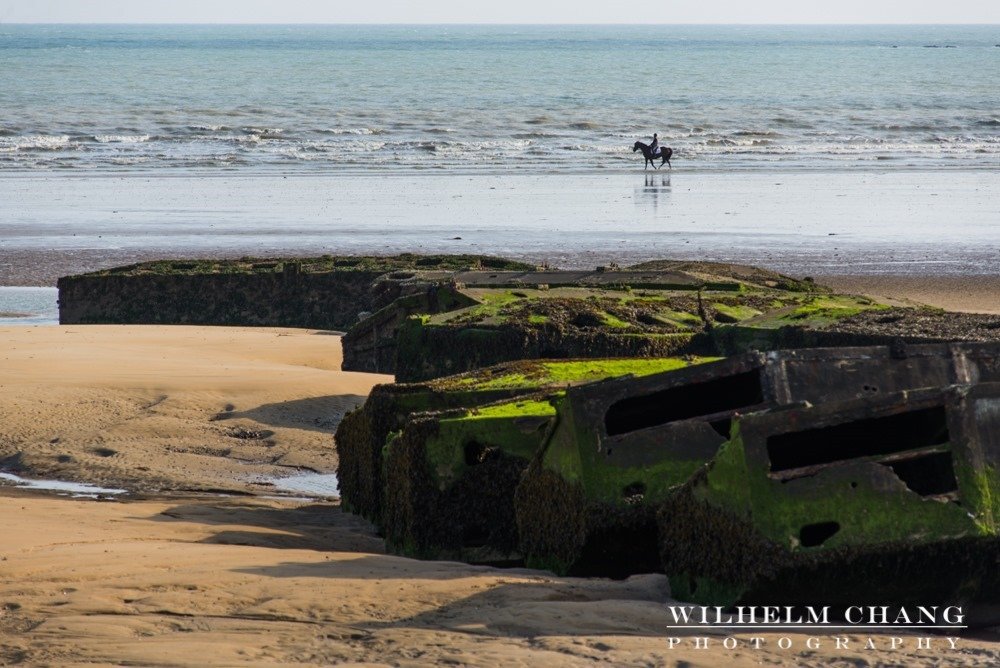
(505, 11)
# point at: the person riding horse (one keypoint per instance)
(654, 151)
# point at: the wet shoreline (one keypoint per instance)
(806, 224)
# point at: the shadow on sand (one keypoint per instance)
(314, 413)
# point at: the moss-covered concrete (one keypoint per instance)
(583, 322)
(753, 527)
(362, 434)
(450, 479)
(623, 447)
(525, 324)
(726, 313)
(327, 292)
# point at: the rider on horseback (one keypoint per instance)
(654, 147)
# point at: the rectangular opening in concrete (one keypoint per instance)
(718, 395)
(869, 437)
(927, 475)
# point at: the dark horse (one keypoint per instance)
(664, 153)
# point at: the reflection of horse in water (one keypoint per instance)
(654, 192)
(664, 153)
(652, 185)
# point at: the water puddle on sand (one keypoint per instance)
(304, 487)
(29, 306)
(316, 485)
(74, 489)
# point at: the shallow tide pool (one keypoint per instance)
(29, 306)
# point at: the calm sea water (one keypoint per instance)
(530, 99)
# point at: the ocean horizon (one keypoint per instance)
(454, 98)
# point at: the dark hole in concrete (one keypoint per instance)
(475, 535)
(869, 437)
(621, 547)
(633, 490)
(813, 535)
(722, 427)
(587, 319)
(928, 475)
(476, 453)
(683, 402)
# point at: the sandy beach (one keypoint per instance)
(221, 582)
(966, 294)
(180, 575)
(178, 408)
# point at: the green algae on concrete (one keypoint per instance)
(326, 292)
(586, 321)
(362, 433)
(542, 326)
(853, 503)
(563, 372)
(623, 447)
(609, 313)
(465, 464)
(450, 479)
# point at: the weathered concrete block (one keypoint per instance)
(450, 480)
(450, 477)
(624, 446)
(891, 500)
(362, 434)
(324, 292)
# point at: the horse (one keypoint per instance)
(665, 153)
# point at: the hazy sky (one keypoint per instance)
(500, 11)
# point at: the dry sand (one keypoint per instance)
(255, 582)
(965, 294)
(200, 580)
(158, 408)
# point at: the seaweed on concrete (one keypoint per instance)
(886, 488)
(362, 434)
(451, 476)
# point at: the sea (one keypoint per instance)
(495, 99)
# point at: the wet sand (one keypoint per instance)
(188, 578)
(904, 223)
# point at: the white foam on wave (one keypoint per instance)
(34, 142)
(265, 133)
(353, 131)
(121, 139)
